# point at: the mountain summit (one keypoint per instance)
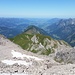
(32, 39)
(64, 29)
(34, 30)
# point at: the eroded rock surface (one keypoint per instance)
(16, 61)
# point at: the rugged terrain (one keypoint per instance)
(13, 59)
(63, 29)
(57, 28)
(8, 26)
(33, 52)
(34, 39)
(16, 61)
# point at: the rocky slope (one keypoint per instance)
(65, 56)
(35, 42)
(13, 59)
(16, 61)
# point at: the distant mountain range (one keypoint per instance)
(63, 29)
(11, 27)
(56, 56)
(49, 55)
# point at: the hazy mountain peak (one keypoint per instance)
(64, 29)
(35, 30)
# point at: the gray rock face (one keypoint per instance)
(66, 56)
(16, 61)
(46, 45)
(64, 29)
(34, 39)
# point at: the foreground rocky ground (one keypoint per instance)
(16, 61)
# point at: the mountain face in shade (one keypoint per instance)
(35, 30)
(64, 29)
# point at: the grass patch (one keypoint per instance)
(55, 46)
(46, 52)
(34, 51)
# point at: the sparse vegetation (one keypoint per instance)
(24, 40)
(59, 42)
(65, 43)
(58, 60)
(34, 51)
(55, 46)
(47, 52)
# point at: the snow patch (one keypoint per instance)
(19, 55)
(11, 62)
(72, 22)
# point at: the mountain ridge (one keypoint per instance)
(63, 30)
(38, 43)
(35, 30)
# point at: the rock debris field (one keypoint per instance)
(16, 61)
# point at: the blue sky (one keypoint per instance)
(37, 8)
